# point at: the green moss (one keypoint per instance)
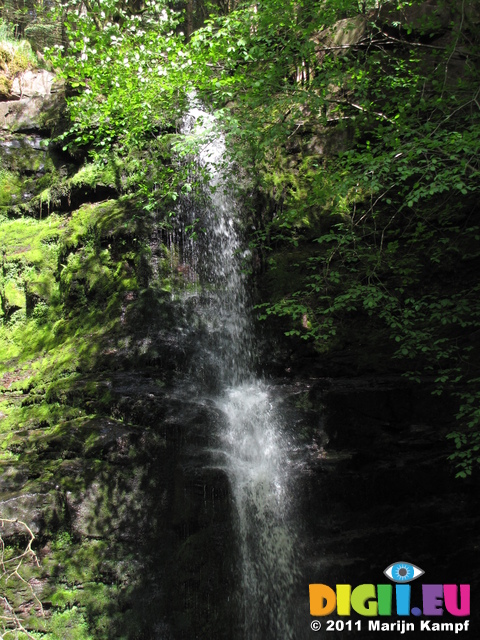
(10, 187)
(70, 275)
(31, 241)
(74, 284)
(93, 175)
(104, 219)
(68, 625)
(5, 86)
(16, 56)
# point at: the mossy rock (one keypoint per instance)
(10, 188)
(5, 86)
(40, 510)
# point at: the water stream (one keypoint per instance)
(251, 445)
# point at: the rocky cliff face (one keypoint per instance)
(132, 532)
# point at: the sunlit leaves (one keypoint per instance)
(119, 61)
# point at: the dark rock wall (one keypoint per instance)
(375, 488)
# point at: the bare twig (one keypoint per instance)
(360, 108)
(10, 569)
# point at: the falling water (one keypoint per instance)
(251, 442)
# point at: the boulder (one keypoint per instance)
(343, 34)
(31, 84)
(35, 96)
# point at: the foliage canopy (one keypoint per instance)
(360, 125)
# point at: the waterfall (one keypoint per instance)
(251, 443)
(256, 464)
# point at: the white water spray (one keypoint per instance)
(251, 443)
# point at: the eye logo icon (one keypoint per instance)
(403, 572)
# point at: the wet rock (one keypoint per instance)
(379, 486)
